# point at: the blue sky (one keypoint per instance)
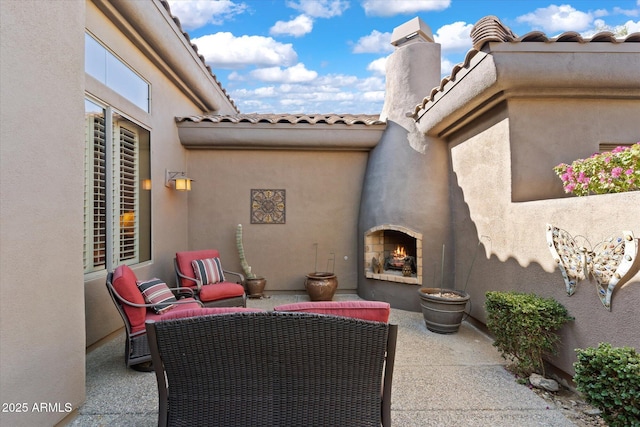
(328, 56)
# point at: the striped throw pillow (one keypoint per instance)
(208, 271)
(155, 291)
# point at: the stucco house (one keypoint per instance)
(464, 163)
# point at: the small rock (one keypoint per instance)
(592, 411)
(541, 382)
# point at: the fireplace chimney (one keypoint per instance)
(406, 183)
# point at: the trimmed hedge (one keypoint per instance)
(524, 328)
(609, 378)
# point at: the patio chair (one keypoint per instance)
(122, 285)
(210, 285)
(273, 369)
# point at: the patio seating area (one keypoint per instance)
(439, 380)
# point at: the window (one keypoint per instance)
(104, 66)
(117, 211)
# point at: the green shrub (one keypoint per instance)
(524, 328)
(609, 378)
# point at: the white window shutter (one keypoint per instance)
(95, 195)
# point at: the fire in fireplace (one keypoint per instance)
(393, 253)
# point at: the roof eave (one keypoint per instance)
(533, 69)
(279, 136)
(161, 39)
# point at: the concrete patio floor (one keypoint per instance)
(439, 380)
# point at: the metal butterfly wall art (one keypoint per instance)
(607, 262)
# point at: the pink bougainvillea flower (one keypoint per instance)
(583, 178)
(609, 172)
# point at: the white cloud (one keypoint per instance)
(297, 27)
(557, 18)
(377, 96)
(371, 84)
(320, 8)
(398, 7)
(446, 66)
(622, 30)
(454, 37)
(198, 13)
(224, 50)
(333, 93)
(376, 42)
(265, 92)
(296, 74)
(336, 82)
(379, 66)
(627, 12)
(631, 26)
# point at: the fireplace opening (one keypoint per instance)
(393, 253)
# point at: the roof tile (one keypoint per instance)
(312, 119)
(490, 29)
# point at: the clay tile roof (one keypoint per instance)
(490, 29)
(312, 119)
(165, 3)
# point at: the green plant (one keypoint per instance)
(609, 378)
(613, 171)
(524, 328)
(243, 261)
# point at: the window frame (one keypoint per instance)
(114, 122)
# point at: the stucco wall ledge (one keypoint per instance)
(533, 70)
(281, 136)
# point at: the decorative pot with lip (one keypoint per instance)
(255, 287)
(443, 309)
(321, 286)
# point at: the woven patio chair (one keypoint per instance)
(123, 289)
(215, 290)
(273, 369)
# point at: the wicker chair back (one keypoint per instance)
(273, 369)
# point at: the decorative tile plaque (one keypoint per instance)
(268, 206)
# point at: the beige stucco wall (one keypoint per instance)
(169, 207)
(42, 329)
(526, 139)
(322, 201)
(49, 311)
(560, 129)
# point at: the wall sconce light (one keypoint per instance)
(180, 180)
(145, 184)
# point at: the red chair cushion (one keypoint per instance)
(124, 283)
(183, 259)
(376, 311)
(220, 291)
(193, 305)
(195, 312)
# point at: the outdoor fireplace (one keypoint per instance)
(393, 253)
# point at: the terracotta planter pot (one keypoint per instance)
(321, 286)
(255, 287)
(443, 314)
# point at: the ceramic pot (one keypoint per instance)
(255, 287)
(443, 313)
(321, 286)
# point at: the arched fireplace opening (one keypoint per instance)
(393, 253)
